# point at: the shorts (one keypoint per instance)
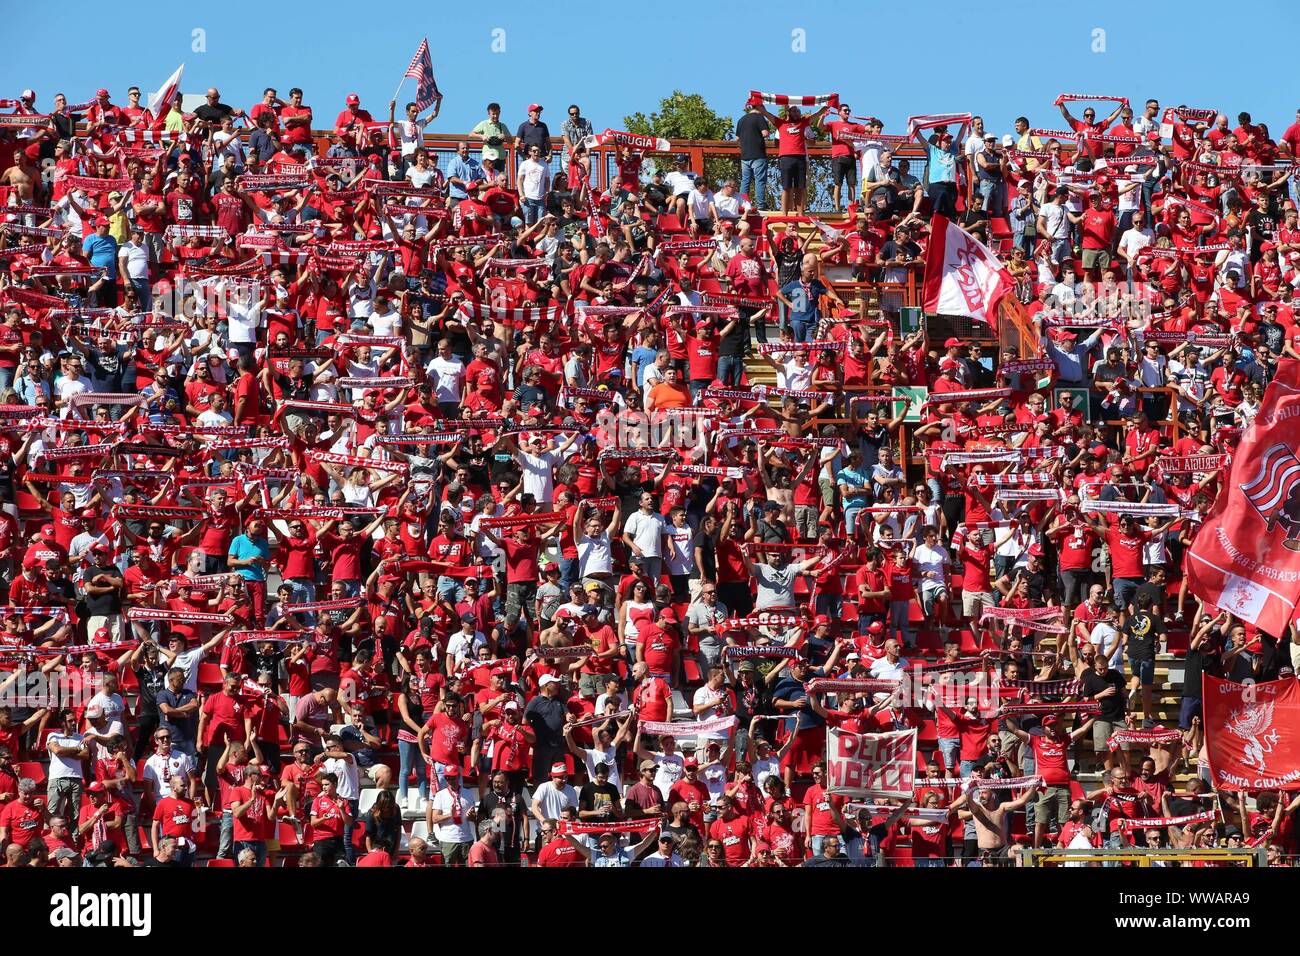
(930, 593)
(973, 602)
(1096, 259)
(1144, 671)
(794, 172)
(1053, 806)
(1101, 731)
(844, 169)
(809, 747)
(1076, 585)
(590, 685)
(1188, 708)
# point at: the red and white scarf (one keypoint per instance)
(1080, 707)
(660, 728)
(563, 827)
(355, 461)
(171, 614)
(932, 120)
(1076, 97)
(166, 512)
(776, 348)
(1145, 823)
(757, 97)
(846, 686)
(1193, 464)
(1137, 508)
(765, 619)
(759, 650)
(523, 521)
(1125, 735)
(1023, 479)
(969, 395)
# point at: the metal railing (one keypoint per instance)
(1144, 856)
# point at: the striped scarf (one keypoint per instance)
(1137, 508)
(661, 728)
(825, 686)
(758, 97)
(523, 520)
(171, 614)
(1026, 479)
(969, 395)
(1145, 823)
(356, 461)
(769, 619)
(1143, 737)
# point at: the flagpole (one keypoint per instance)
(399, 86)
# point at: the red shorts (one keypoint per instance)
(809, 747)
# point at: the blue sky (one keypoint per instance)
(1011, 59)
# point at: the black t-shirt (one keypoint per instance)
(1156, 592)
(1195, 665)
(707, 567)
(214, 114)
(151, 681)
(596, 796)
(1037, 582)
(1143, 630)
(109, 602)
(656, 194)
(1112, 707)
(752, 132)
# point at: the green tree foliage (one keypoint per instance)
(682, 116)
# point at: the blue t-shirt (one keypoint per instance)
(102, 253)
(943, 163)
(804, 298)
(789, 689)
(642, 357)
(244, 547)
(857, 479)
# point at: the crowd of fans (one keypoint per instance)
(366, 504)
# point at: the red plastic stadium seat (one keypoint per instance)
(32, 769)
(219, 863)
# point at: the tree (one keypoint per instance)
(682, 116)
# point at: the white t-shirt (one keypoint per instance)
(669, 768)
(387, 323)
(449, 831)
(1135, 240)
(448, 375)
(243, 322)
(552, 800)
(534, 178)
(926, 558)
(539, 474)
(592, 756)
(349, 786)
(1106, 639)
(594, 554)
(64, 767)
(159, 770)
(681, 557)
(137, 260)
(646, 531)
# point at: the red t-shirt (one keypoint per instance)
(1125, 552)
(734, 836)
(448, 733)
(791, 139)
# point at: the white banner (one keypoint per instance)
(871, 766)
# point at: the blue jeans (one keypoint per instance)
(803, 329)
(6, 378)
(532, 210)
(568, 573)
(410, 759)
(991, 192)
(730, 368)
(928, 861)
(754, 172)
(144, 293)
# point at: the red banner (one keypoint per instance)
(1246, 558)
(871, 766)
(1253, 733)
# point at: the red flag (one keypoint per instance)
(1253, 733)
(421, 70)
(161, 102)
(962, 275)
(1246, 557)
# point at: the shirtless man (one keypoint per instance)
(23, 176)
(990, 816)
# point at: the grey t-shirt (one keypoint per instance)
(775, 587)
(700, 614)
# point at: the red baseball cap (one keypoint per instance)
(101, 92)
(953, 342)
(89, 513)
(354, 100)
(820, 620)
(47, 531)
(102, 635)
(534, 106)
(669, 615)
(1036, 550)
